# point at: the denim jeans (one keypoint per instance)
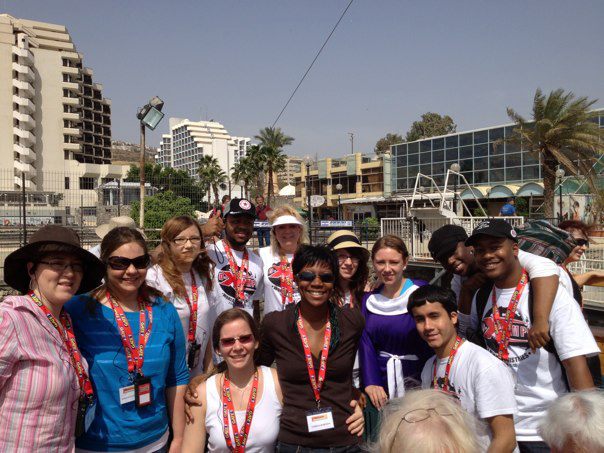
(264, 237)
(533, 447)
(289, 448)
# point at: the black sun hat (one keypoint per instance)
(48, 239)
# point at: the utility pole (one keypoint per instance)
(351, 142)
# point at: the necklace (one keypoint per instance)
(241, 389)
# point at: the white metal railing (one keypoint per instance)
(592, 260)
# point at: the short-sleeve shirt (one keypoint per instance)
(273, 299)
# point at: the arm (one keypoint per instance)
(213, 227)
(504, 435)
(207, 358)
(577, 372)
(356, 422)
(195, 432)
(176, 410)
(370, 372)
(9, 344)
(592, 278)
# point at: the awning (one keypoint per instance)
(503, 191)
(530, 189)
(475, 192)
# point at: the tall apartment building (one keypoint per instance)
(188, 141)
(52, 114)
(293, 165)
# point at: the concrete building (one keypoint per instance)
(188, 141)
(293, 165)
(51, 111)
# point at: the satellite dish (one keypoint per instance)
(317, 200)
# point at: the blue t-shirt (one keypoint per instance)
(508, 209)
(124, 427)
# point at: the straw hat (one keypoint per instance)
(115, 222)
(48, 239)
(345, 239)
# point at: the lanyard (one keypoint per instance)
(65, 330)
(445, 387)
(228, 410)
(192, 304)
(315, 383)
(135, 356)
(238, 271)
(503, 329)
(286, 278)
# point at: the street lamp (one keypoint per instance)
(339, 189)
(149, 116)
(559, 177)
(455, 169)
(308, 161)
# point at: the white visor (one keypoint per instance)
(286, 220)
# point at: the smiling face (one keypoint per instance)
(389, 265)
(288, 236)
(460, 261)
(126, 282)
(239, 229)
(579, 250)
(348, 263)
(316, 292)
(434, 324)
(184, 253)
(55, 282)
(496, 257)
(237, 354)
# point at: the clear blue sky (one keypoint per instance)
(389, 61)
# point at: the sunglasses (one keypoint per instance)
(310, 276)
(120, 263)
(582, 242)
(230, 342)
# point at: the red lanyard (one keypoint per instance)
(445, 386)
(192, 304)
(503, 329)
(315, 383)
(238, 271)
(228, 410)
(135, 356)
(286, 278)
(65, 330)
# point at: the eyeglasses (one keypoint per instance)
(120, 263)
(582, 242)
(343, 258)
(195, 240)
(61, 266)
(310, 276)
(230, 341)
(419, 415)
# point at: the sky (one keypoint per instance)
(388, 62)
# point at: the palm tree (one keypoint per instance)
(272, 140)
(273, 137)
(244, 172)
(274, 161)
(211, 175)
(256, 167)
(563, 133)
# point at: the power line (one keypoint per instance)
(313, 62)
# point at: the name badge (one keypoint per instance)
(142, 391)
(319, 419)
(127, 394)
(193, 357)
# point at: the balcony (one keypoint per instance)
(28, 183)
(70, 70)
(72, 146)
(25, 55)
(25, 88)
(26, 137)
(72, 116)
(22, 167)
(72, 86)
(24, 103)
(73, 131)
(26, 153)
(25, 121)
(25, 71)
(71, 101)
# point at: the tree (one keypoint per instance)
(384, 143)
(211, 175)
(273, 137)
(562, 133)
(270, 154)
(274, 161)
(431, 124)
(244, 172)
(159, 208)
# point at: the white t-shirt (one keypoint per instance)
(483, 384)
(273, 300)
(265, 421)
(536, 267)
(223, 292)
(157, 280)
(539, 379)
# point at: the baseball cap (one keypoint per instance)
(240, 206)
(444, 240)
(498, 228)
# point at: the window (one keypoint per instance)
(496, 134)
(453, 142)
(465, 152)
(513, 174)
(512, 160)
(426, 145)
(451, 154)
(413, 159)
(438, 143)
(481, 151)
(67, 182)
(465, 139)
(481, 137)
(86, 183)
(438, 156)
(424, 158)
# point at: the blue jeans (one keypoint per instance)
(289, 448)
(533, 447)
(264, 237)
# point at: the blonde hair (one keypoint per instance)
(453, 433)
(279, 212)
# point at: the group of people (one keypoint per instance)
(290, 349)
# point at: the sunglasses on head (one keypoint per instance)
(230, 341)
(310, 276)
(120, 263)
(582, 242)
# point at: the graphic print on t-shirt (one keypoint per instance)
(275, 272)
(518, 334)
(227, 280)
(440, 383)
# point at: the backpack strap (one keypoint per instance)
(482, 298)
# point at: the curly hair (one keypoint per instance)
(202, 264)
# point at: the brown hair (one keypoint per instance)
(202, 264)
(230, 315)
(111, 242)
(360, 277)
(392, 242)
(576, 225)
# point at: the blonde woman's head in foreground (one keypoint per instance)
(288, 229)
(427, 421)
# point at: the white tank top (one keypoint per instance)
(265, 422)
